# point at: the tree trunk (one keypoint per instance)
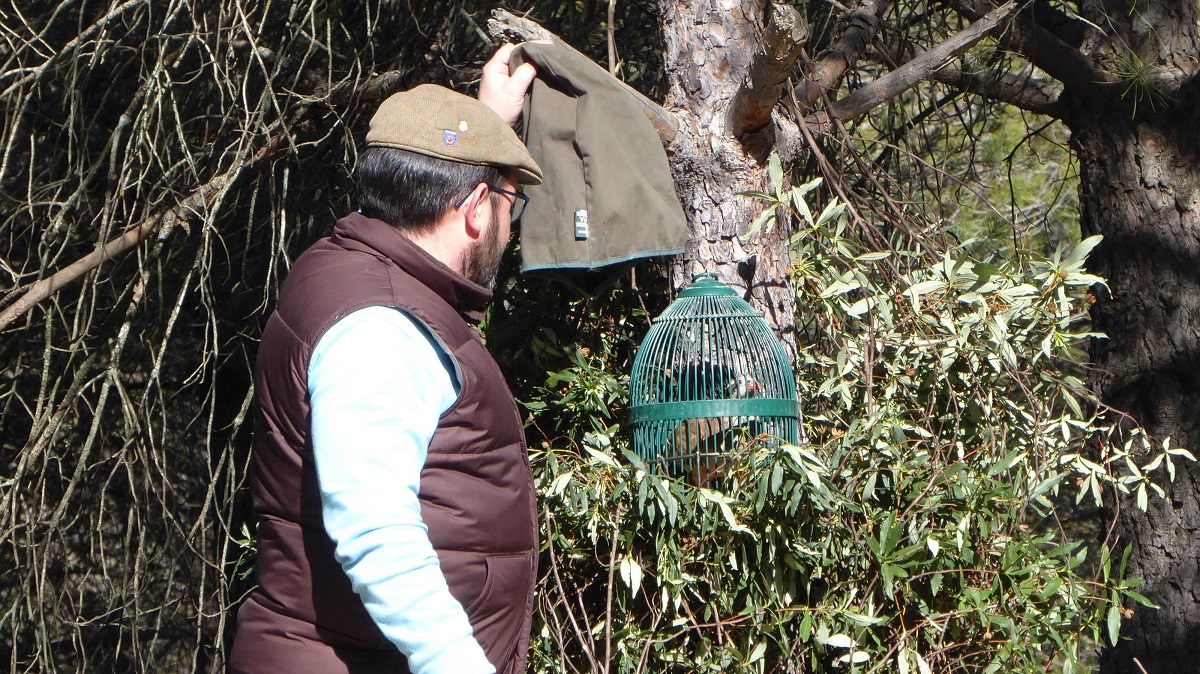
(708, 50)
(1140, 188)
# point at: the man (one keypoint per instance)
(396, 515)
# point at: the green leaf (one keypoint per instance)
(757, 653)
(1114, 624)
(1048, 484)
(756, 194)
(734, 525)
(872, 257)
(809, 186)
(840, 641)
(924, 287)
(762, 220)
(1077, 256)
(866, 620)
(855, 657)
(840, 287)
(631, 573)
(775, 170)
(832, 212)
(802, 207)
(860, 307)
(1140, 598)
(922, 666)
(1180, 451)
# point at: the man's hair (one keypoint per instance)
(411, 191)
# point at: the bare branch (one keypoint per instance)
(828, 71)
(610, 29)
(1058, 59)
(504, 25)
(918, 69)
(782, 42)
(198, 201)
(1023, 91)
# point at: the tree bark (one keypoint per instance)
(1140, 188)
(709, 47)
(1143, 195)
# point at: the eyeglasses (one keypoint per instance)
(519, 202)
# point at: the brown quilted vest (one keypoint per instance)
(477, 495)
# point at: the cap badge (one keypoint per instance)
(462, 126)
(450, 137)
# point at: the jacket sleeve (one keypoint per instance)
(378, 385)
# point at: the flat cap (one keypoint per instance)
(437, 122)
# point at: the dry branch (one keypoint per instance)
(1046, 51)
(782, 43)
(1023, 91)
(504, 25)
(828, 71)
(196, 202)
(919, 68)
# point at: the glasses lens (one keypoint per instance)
(519, 204)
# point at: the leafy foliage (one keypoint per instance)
(914, 532)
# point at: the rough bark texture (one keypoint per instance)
(1147, 205)
(709, 47)
(1140, 188)
(751, 108)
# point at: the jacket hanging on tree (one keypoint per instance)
(607, 196)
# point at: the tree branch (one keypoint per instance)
(195, 202)
(504, 25)
(1056, 58)
(828, 71)
(749, 113)
(1022, 91)
(919, 68)
(203, 197)
(1070, 29)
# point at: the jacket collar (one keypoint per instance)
(467, 298)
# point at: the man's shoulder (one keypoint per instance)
(327, 283)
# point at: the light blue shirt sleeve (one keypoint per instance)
(377, 385)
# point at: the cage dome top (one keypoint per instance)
(707, 285)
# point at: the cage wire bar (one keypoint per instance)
(709, 379)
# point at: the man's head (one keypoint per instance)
(433, 164)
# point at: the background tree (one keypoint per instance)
(1121, 76)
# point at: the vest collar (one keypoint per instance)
(467, 298)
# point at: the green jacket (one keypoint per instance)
(607, 195)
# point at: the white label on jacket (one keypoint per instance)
(581, 224)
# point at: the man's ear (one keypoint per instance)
(473, 210)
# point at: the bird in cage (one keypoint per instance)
(711, 381)
(701, 445)
(744, 386)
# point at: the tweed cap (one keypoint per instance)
(437, 122)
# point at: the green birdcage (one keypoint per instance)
(710, 378)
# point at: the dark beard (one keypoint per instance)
(481, 261)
